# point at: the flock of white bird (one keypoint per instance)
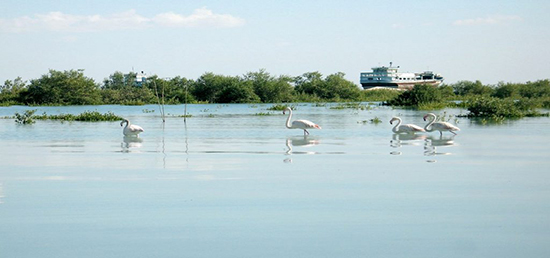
(432, 125)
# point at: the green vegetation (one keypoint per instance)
(375, 120)
(496, 108)
(379, 95)
(281, 107)
(73, 88)
(351, 105)
(89, 116)
(264, 114)
(25, 118)
(505, 100)
(424, 97)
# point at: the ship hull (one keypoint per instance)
(398, 85)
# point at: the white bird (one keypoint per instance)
(299, 124)
(406, 128)
(439, 126)
(130, 129)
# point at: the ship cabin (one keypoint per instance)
(389, 77)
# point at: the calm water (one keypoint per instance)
(231, 183)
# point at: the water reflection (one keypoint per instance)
(301, 141)
(1, 194)
(131, 144)
(432, 143)
(399, 140)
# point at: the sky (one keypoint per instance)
(488, 40)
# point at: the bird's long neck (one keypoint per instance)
(288, 145)
(396, 125)
(288, 119)
(428, 126)
(127, 122)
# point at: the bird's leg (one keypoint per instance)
(453, 132)
(306, 132)
(440, 133)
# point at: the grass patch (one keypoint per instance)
(264, 114)
(88, 116)
(281, 107)
(351, 105)
(376, 120)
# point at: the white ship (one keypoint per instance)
(389, 77)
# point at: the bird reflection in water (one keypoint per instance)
(299, 141)
(130, 142)
(398, 140)
(431, 144)
(406, 139)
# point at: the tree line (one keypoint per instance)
(504, 100)
(72, 87)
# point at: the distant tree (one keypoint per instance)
(124, 89)
(310, 83)
(270, 89)
(447, 92)
(468, 88)
(11, 91)
(418, 96)
(224, 89)
(237, 91)
(207, 87)
(537, 89)
(119, 80)
(63, 88)
(333, 87)
(178, 89)
(506, 90)
(337, 87)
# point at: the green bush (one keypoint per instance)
(490, 107)
(63, 88)
(468, 88)
(421, 96)
(25, 118)
(334, 87)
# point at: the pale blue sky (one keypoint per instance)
(487, 40)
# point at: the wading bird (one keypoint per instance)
(439, 126)
(406, 128)
(299, 124)
(130, 129)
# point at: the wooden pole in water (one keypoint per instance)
(185, 109)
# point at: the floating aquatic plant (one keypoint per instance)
(88, 116)
(25, 118)
(264, 114)
(281, 107)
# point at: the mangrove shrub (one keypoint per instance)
(63, 88)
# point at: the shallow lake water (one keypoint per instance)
(231, 181)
